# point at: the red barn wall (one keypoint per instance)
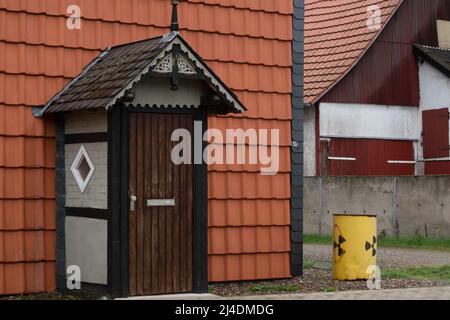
(372, 157)
(437, 167)
(248, 43)
(388, 74)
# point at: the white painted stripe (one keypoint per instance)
(401, 162)
(328, 137)
(341, 159)
(434, 160)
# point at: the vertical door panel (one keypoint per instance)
(435, 133)
(160, 237)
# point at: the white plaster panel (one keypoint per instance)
(368, 121)
(86, 122)
(96, 192)
(87, 247)
(157, 91)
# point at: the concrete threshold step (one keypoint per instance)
(183, 296)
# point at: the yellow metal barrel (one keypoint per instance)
(354, 246)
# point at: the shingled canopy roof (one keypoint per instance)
(111, 76)
(437, 57)
(336, 38)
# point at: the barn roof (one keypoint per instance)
(437, 57)
(336, 38)
(111, 75)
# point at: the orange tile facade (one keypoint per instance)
(247, 42)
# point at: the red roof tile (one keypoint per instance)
(284, 127)
(17, 120)
(336, 37)
(248, 266)
(246, 185)
(121, 25)
(284, 163)
(237, 240)
(27, 277)
(30, 214)
(248, 42)
(259, 212)
(29, 183)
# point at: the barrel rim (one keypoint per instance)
(354, 215)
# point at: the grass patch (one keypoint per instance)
(416, 242)
(329, 289)
(273, 288)
(308, 264)
(420, 273)
(316, 239)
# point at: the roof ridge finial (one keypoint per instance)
(174, 24)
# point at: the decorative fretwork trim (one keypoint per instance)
(184, 66)
(166, 65)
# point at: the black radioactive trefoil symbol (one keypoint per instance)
(338, 245)
(372, 246)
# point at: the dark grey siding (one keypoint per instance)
(297, 140)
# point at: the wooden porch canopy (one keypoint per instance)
(110, 78)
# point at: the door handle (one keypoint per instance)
(133, 200)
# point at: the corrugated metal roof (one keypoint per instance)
(438, 57)
(336, 37)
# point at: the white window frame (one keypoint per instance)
(82, 183)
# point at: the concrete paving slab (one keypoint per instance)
(186, 296)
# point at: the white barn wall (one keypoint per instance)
(339, 120)
(309, 155)
(434, 93)
(443, 28)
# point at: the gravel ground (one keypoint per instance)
(57, 295)
(387, 257)
(318, 277)
(313, 280)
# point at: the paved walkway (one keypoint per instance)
(387, 257)
(434, 293)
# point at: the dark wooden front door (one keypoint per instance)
(160, 224)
